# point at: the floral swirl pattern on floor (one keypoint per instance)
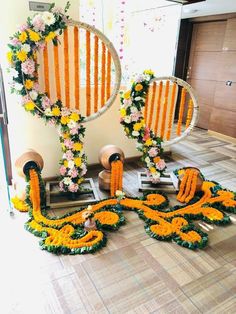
(65, 235)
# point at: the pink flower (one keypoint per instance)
(23, 27)
(41, 44)
(25, 99)
(46, 102)
(28, 67)
(146, 134)
(68, 143)
(52, 122)
(73, 173)
(36, 86)
(65, 112)
(15, 41)
(135, 116)
(73, 131)
(62, 171)
(73, 187)
(160, 165)
(153, 152)
(38, 23)
(69, 155)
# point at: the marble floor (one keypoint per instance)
(133, 273)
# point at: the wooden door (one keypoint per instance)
(212, 63)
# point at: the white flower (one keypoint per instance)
(67, 181)
(48, 112)
(48, 18)
(154, 142)
(137, 98)
(133, 109)
(127, 119)
(71, 164)
(147, 160)
(18, 86)
(135, 133)
(81, 137)
(156, 176)
(25, 48)
(72, 124)
(13, 73)
(33, 94)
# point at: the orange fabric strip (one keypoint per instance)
(152, 104)
(96, 73)
(57, 72)
(103, 74)
(88, 87)
(146, 105)
(173, 96)
(66, 69)
(108, 87)
(181, 111)
(46, 71)
(189, 113)
(165, 105)
(158, 106)
(76, 66)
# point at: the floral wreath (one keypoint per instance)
(131, 112)
(30, 38)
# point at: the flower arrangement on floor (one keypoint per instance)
(132, 119)
(22, 56)
(65, 234)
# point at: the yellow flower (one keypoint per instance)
(64, 120)
(127, 130)
(122, 112)
(74, 116)
(66, 135)
(29, 106)
(148, 142)
(78, 161)
(152, 169)
(34, 36)
(29, 84)
(77, 146)
(56, 111)
(127, 94)
(50, 36)
(138, 87)
(23, 37)
(66, 163)
(21, 55)
(137, 126)
(149, 72)
(80, 180)
(9, 56)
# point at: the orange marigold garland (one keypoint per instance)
(65, 235)
(189, 113)
(181, 111)
(116, 177)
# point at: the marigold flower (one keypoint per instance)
(21, 55)
(56, 111)
(29, 84)
(29, 106)
(9, 56)
(126, 94)
(138, 87)
(22, 37)
(34, 36)
(77, 146)
(74, 116)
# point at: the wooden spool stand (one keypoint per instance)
(168, 183)
(57, 199)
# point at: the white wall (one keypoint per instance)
(26, 131)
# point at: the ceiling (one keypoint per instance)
(209, 7)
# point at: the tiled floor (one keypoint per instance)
(134, 273)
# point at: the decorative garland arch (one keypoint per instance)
(34, 36)
(133, 114)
